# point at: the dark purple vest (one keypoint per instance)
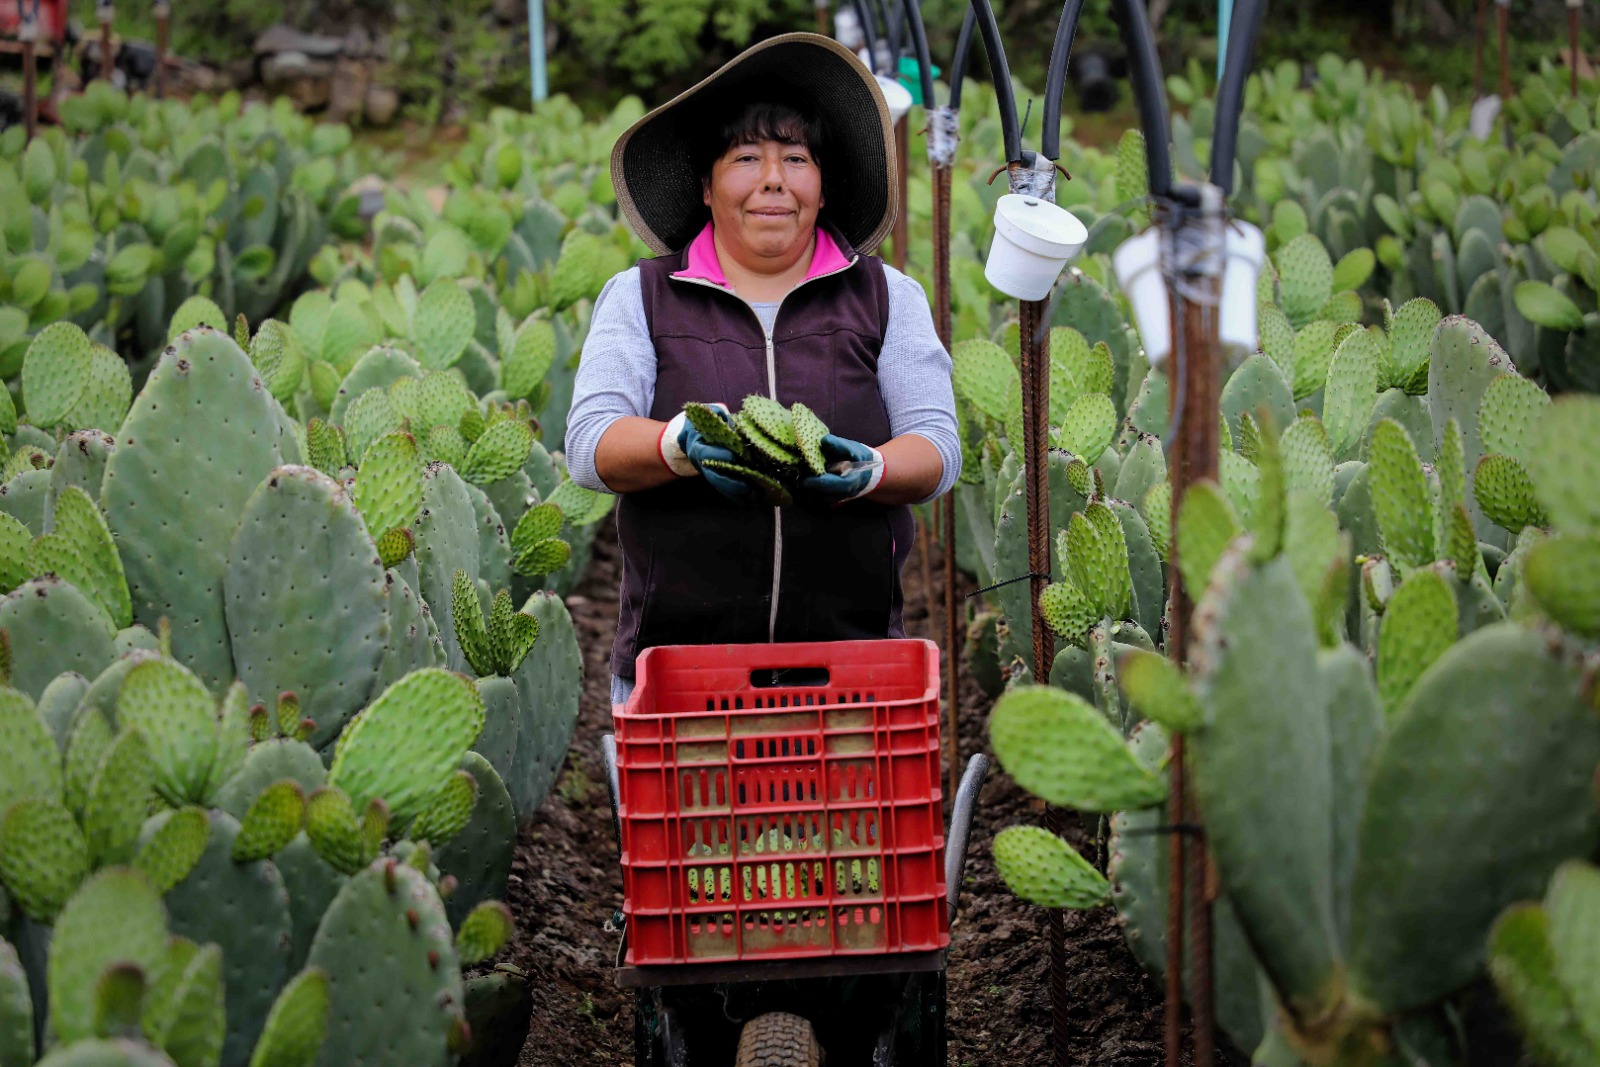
(698, 569)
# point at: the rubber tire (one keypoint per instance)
(778, 1039)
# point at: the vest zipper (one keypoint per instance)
(772, 392)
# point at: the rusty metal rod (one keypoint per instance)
(952, 646)
(105, 44)
(1503, 22)
(30, 87)
(1575, 28)
(902, 157)
(821, 8)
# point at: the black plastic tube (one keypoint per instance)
(919, 41)
(869, 32)
(1247, 16)
(1055, 83)
(1151, 90)
(958, 66)
(891, 35)
(1000, 70)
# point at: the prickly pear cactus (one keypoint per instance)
(200, 438)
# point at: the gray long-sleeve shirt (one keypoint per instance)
(617, 374)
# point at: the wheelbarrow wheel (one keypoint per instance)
(778, 1039)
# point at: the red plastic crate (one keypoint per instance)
(769, 821)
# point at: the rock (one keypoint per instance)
(281, 38)
(347, 92)
(305, 81)
(382, 104)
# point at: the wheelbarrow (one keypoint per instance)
(788, 878)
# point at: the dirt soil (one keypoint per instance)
(565, 886)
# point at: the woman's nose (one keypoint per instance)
(772, 176)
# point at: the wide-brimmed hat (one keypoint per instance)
(653, 165)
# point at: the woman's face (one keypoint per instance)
(764, 200)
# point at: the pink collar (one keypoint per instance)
(705, 266)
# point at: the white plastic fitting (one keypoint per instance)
(897, 96)
(1137, 263)
(1033, 240)
(1244, 251)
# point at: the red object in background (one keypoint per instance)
(772, 811)
(52, 19)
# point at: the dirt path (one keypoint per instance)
(565, 885)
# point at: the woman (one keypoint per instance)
(762, 189)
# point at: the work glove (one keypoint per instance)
(685, 452)
(853, 471)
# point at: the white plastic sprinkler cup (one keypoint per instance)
(897, 96)
(1033, 239)
(1138, 266)
(1245, 249)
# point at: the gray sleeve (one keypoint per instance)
(616, 374)
(914, 375)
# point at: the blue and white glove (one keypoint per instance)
(684, 451)
(854, 470)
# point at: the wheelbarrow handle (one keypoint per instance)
(955, 841)
(608, 755)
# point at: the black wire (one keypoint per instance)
(1001, 72)
(1150, 89)
(890, 35)
(958, 67)
(1056, 81)
(919, 41)
(1241, 46)
(869, 30)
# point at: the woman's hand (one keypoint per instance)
(902, 471)
(636, 454)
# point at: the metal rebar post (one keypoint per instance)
(28, 32)
(941, 323)
(823, 20)
(1482, 32)
(163, 12)
(106, 13)
(902, 162)
(1194, 277)
(1503, 26)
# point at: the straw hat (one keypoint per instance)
(653, 166)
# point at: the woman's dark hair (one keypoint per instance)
(785, 121)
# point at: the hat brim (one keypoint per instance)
(654, 172)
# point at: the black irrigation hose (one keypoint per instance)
(958, 67)
(1148, 86)
(890, 35)
(919, 41)
(1001, 72)
(1056, 81)
(1241, 44)
(869, 30)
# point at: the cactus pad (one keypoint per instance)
(54, 628)
(1305, 274)
(273, 820)
(55, 374)
(1509, 414)
(1206, 526)
(1068, 611)
(43, 856)
(78, 522)
(772, 490)
(1565, 464)
(501, 451)
(16, 1009)
(29, 763)
(771, 418)
(714, 427)
(1400, 497)
(809, 430)
(1419, 625)
(550, 680)
(443, 325)
(1563, 575)
(1505, 493)
(171, 707)
(333, 831)
(1088, 427)
(404, 1012)
(447, 811)
(183, 1012)
(306, 597)
(447, 541)
(119, 796)
(1060, 748)
(169, 854)
(1522, 962)
(762, 446)
(202, 420)
(402, 746)
(388, 487)
(1041, 868)
(115, 917)
(484, 932)
(80, 461)
(1158, 690)
(297, 1025)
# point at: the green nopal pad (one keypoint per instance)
(771, 417)
(762, 447)
(809, 430)
(273, 820)
(16, 547)
(539, 523)
(1258, 384)
(447, 811)
(550, 681)
(1062, 749)
(1068, 611)
(23, 497)
(58, 707)
(1453, 789)
(1573, 905)
(244, 908)
(1566, 472)
(1506, 494)
(403, 745)
(500, 452)
(54, 628)
(175, 713)
(1088, 427)
(80, 461)
(379, 368)
(447, 541)
(280, 358)
(183, 1012)
(116, 916)
(104, 1052)
(774, 491)
(1509, 414)
(43, 856)
(55, 374)
(479, 855)
(1464, 362)
(1419, 625)
(1522, 962)
(1262, 770)
(413, 636)
(1206, 526)
(388, 486)
(1563, 575)
(403, 1013)
(29, 762)
(198, 441)
(298, 1023)
(269, 762)
(1156, 687)
(16, 1009)
(502, 724)
(120, 793)
(168, 855)
(711, 425)
(79, 523)
(306, 597)
(494, 542)
(1401, 499)
(1041, 868)
(484, 932)
(367, 419)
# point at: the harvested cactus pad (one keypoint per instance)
(713, 428)
(776, 492)
(776, 446)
